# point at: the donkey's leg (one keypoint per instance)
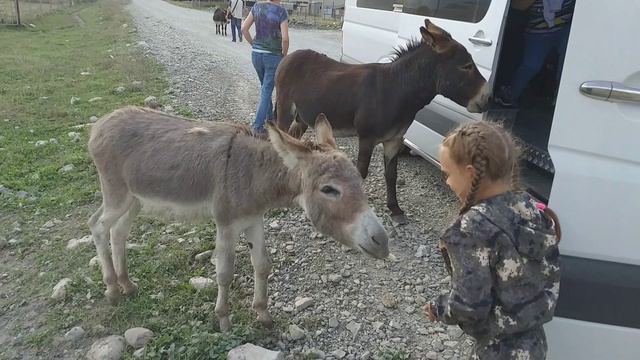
(298, 128)
(282, 113)
(119, 234)
(225, 258)
(261, 269)
(392, 148)
(115, 203)
(365, 150)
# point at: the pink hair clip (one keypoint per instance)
(541, 206)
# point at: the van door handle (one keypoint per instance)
(480, 41)
(610, 91)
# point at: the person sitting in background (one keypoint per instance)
(547, 29)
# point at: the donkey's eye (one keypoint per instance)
(330, 190)
(468, 66)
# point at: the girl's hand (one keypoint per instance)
(428, 310)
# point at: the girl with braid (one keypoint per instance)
(501, 251)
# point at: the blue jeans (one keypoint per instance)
(536, 49)
(235, 25)
(265, 65)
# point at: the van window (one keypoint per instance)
(378, 4)
(462, 10)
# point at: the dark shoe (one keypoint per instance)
(504, 97)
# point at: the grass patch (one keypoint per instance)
(42, 207)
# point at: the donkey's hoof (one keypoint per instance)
(130, 289)
(112, 295)
(225, 324)
(400, 219)
(266, 321)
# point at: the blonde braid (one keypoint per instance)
(479, 163)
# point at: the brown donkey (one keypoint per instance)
(377, 102)
(163, 163)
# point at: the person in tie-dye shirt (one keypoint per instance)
(269, 46)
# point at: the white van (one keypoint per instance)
(583, 153)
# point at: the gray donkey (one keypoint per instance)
(202, 170)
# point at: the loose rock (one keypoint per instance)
(60, 290)
(295, 333)
(138, 337)
(109, 348)
(303, 303)
(74, 334)
(201, 283)
(204, 255)
(74, 243)
(252, 352)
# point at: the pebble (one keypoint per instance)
(138, 337)
(333, 322)
(295, 333)
(201, 283)
(75, 334)
(204, 255)
(354, 327)
(339, 354)
(303, 303)
(60, 290)
(109, 348)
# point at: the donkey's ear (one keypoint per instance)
(324, 133)
(427, 38)
(291, 150)
(436, 37)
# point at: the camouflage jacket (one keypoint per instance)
(504, 263)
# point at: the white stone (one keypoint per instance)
(93, 119)
(60, 290)
(274, 225)
(303, 303)
(74, 334)
(94, 261)
(204, 255)
(74, 136)
(432, 355)
(138, 354)
(94, 99)
(422, 251)
(138, 337)
(66, 168)
(151, 102)
(74, 100)
(377, 325)
(74, 243)
(335, 278)
(354, 327)
(339, 354)
(109, 348)
(201, 283)
(295, 333)
(333, 322)
(252, 352)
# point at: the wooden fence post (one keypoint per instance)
(18, 11)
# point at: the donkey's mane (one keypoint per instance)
(407, 49)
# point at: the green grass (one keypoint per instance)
(40, 71)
